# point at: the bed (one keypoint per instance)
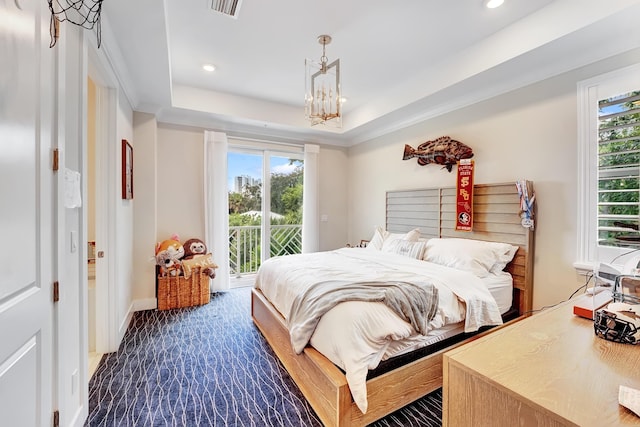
(324, 384)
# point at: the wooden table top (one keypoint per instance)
(554, 360)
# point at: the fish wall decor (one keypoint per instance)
(442, 151)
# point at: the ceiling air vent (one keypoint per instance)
(226, 7)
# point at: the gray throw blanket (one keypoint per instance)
(416, 303)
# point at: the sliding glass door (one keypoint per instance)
(265, 207)
(245, 211)
(285, 194)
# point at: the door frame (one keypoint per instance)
(266, 151)
(106, 177)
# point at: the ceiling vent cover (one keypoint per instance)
(227, 7)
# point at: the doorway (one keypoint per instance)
(265, 208)
(100, 216)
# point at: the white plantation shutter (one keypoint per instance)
(619, 170)
(608, 168)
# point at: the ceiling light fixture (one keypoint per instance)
(492, 4)
(209, 67)
(322, 100)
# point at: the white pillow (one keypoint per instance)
(380, 236)
(377, 239)
(479, 257)
(411, 236)
(403, 247)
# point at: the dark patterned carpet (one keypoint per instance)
(209, 366)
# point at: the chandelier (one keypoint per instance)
(322, 89)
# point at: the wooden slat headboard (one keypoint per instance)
(496, 217)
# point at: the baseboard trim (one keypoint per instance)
(125, 325)
(144, 304)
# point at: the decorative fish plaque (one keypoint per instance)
(442, 151)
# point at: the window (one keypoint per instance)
(609, 166)
(618, 169)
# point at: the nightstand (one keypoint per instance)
(549, 369)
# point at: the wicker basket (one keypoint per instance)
(177, 291)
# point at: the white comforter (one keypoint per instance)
(355, 335)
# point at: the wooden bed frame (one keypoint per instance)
(496, 217)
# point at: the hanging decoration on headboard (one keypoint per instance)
(464, 196)
(442, 151)
(527, 200)
(84, 13)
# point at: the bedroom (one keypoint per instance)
(508, 143)
(505, 132)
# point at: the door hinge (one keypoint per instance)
(56, 418)
(56, 291)
(56, 159)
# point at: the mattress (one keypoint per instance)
(357, 335)
(500, 286)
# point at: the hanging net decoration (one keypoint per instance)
(84, 13)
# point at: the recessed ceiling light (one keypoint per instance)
(492, 4)
(209, 67)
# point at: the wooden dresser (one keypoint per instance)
(546, 370)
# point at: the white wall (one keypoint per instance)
(145, 136)
(333, 164)
(124, 279)
(527, 134)
(180, 182)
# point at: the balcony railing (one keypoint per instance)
(245, 249)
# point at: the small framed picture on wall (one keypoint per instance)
(127, 170)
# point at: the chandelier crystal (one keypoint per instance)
(323, 96)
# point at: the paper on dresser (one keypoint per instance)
(629, 398)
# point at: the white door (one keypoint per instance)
(26, 222)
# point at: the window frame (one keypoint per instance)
(589, 253)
